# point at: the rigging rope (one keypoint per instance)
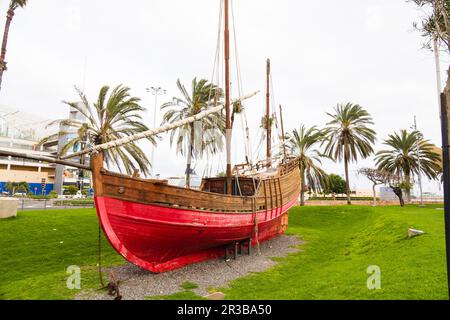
(243, 115)
(218, 48)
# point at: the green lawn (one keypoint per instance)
(342, 242)
(37, 247)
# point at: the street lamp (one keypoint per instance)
(156, 91)
(419, 138)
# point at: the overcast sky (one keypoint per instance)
(323, 53)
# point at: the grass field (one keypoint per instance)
(37, 247)
(341, 242)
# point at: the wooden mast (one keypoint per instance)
(227, 98)
(268, 127)
(282, 133)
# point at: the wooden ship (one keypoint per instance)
(161, 227)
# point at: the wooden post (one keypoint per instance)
(97, 167)
(445, 119)
(43, 159)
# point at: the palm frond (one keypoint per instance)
(409, 155)
(205, 139)
(302, 144)
(115, 115)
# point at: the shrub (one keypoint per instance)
(75, 203)
(341, 199)
(72, 190)
(53, 194)
(189, 285)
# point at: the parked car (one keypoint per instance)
(20, 194)
(79, 195)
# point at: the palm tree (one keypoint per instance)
(205, 136)
(13, 5)
(302, 143)
(409, 155)
(111, 118)
(238, 108)
(19, 186)
(263, 127)
(348, 135)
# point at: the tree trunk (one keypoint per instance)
(347, 181)
(189, 157)
(399, 193)
(9, 18)
(188, 171)
(302, 186)
(374, 194)
(408, 189)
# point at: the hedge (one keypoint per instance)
(85, 202)
(341, 199)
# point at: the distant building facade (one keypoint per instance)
(65, 176)
(21, 132)
(386, 194)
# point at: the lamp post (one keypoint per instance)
(156, 91)
(419, 138)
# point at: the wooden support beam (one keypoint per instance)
(8, 153)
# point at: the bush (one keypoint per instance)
(75, 203)
(53, 194)
(187, 285)
(72, 190)
(39, 197)
(341, 199)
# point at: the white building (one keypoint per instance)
(21, 132)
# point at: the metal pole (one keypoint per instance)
(418, 161)
(156, 92)
(445, 104)
(438, 71)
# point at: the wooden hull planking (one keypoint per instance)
(161, 227)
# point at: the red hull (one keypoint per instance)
(160, 239)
